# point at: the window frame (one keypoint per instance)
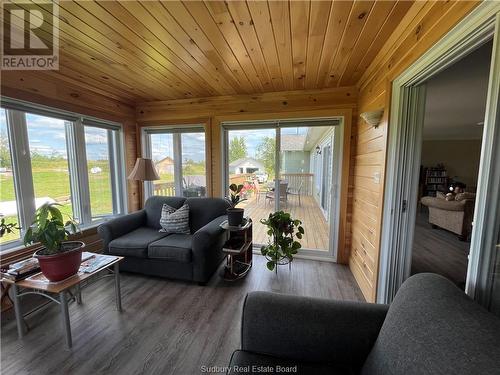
(17, 132)
(177, 132)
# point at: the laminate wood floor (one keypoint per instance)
(167, 327)
(439, 251)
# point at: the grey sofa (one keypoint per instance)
(431, 327)
(193, 256)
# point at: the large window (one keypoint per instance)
(179, 157)
(51, 156)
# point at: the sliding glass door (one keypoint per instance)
(179, 157)
(290, 166)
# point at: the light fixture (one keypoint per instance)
(373, 118)
(144, 170)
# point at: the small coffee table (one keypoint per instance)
(59, 293)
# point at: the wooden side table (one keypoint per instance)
(239, 249)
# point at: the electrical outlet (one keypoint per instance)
(376, 177)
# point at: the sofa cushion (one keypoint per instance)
(153, 208)
(432, 327)
(135, 243)
(203, 210)
(175, 220)
(243, 362)
(173, 248)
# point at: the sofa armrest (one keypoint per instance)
(119, 226)
(310, 329)
(207, 248)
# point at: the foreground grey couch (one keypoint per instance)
(432, 327)
(193, 256)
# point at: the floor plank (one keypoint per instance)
(439, 251)
(167, 327)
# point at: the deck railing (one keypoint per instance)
(164, 188)
(239, 179)
(296, 180)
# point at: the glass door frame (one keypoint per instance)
(336, 175)
(177, 132)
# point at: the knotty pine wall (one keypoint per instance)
(423, 25)
(46, 89)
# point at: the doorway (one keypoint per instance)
(290, 165)
(404, 155)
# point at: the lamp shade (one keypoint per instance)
(144, 170)
(373, 118)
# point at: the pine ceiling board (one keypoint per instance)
(280, 19)
(214, 47)
(375, 20)
(93, 64)
(91, 13)
(229, 47)
(318, 22)
(357, 20)
(353, 73)
(336, 24)
(76, 31)
(259, 13)
(241, 18)
(163, 42)
(299, 21)
(161, 22)
(100, 37)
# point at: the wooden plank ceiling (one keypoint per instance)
(139, 51)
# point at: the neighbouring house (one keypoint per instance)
(245, 165)
(165, 165)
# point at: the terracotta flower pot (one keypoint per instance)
(60, 266)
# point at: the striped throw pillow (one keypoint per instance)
(175, 221)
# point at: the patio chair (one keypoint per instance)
(260, 189)
(293, 191)
(283, 194)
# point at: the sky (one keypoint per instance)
(47, 137)
(193, 146)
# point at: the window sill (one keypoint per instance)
(19, 250)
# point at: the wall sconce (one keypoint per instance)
(318, 150)
(373, 118)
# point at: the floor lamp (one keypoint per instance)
(144, 170)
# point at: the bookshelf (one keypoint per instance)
(436, 179)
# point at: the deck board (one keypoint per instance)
(315, 225)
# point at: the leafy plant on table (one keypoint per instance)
(7, 228)
(235, 192)
(49, 229)
(282, 230)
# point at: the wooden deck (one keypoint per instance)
(315, 226)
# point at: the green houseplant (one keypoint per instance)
(58, 257)
(235, 215)
(282, 230)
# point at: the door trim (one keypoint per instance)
(395, 260)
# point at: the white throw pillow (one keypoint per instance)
(175, 221)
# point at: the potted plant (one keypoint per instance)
(282, 230)
(7, 228)
(58, 258)
(235, 215)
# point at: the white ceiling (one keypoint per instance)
(456, 98)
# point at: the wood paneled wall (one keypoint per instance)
(423, 25)
(277, 105)
(42, 88)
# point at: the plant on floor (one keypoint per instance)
(7, 228)
(282, 230)
(49, 229)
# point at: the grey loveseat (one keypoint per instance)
(193, 256)
(431, 327)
